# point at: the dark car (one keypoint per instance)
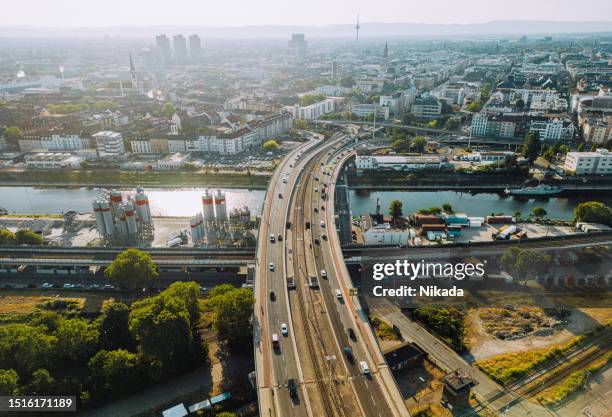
(349, 354)
(279, 238)
(351, 334)
(292, 388)
(317, 242)
(272, 296)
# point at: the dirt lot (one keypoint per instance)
(24, 304)
(483, 344)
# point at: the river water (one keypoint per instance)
(477, 205)
(163, 202)
(186, 202)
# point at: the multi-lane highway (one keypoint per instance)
(329, 381)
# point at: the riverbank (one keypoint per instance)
(160, 179)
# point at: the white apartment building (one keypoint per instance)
(315, 110)
(366, 110)
(64, 142)
(110, 145)
(589, 163)
(552, 129)
(141, 146)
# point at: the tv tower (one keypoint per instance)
(357, 27)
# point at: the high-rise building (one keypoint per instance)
(109, 145)
(195, 47)
(298, 43)
(180, 48)
(335, 73)
(163, 47)
(133, 75)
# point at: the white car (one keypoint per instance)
(324, 273)
(338, 294)
(284, 329)
(284, 180)
(365, 369)
(271, 266)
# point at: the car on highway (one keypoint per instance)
(47, 285)
(349, 354)
(316, 210)
(280, 195)
(322, 223)
(94, 287)
(275, 342)
(272, 296)
(285, 180)
(284, 329)
(324, 273)
(286, 172)
(338, 294)
(292, 386)
(279, 237)
(365, 369)
(272, 238)
(323, 208)
(271, 266)
(324, 236)
(317, 242)
(68, 286)
(108, 287)
(351, 333)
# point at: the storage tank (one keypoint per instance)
(130, 217)
(142, 206)
(99, 218)
(107, 215)
(115, 202)
(195, 230)
(207, 206)
(220, 207)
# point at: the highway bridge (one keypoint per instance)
(302, 284)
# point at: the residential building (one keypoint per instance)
(552, 130)
(174, 161)
(180, 48)
(315, 110)
(368, 110)
(426, 108)
(485, 124)
(598, 130)
(335, 71)
(110, 145)
(64, 142)
(163, 47)
(195, 47)
(298, 44)
(394, 103)
(589, 163)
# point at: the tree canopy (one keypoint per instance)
(231, 309)
(270, 146)
(13, 134)
(395, 209)
(28, 237)
(532, 146)
(419, 143)
(132, 269)
(593, 212)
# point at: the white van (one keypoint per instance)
(365, 369)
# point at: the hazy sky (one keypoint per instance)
(79, 13)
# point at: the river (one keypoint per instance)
(477, 205)
(163, 202)
(186, 202)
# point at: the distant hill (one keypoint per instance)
(368, 30)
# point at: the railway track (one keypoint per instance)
(332, 400)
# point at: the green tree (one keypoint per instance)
(309, 99)
(432, 124)
(28, 237)
(531, 262)
(25, 348)
(113, 326)
(447, 208)
(161, 325)
(474, 107)
(531, 147)
(508, 259)
(400, 143)
(132, 269)
(594, 147)
(347, 81)
(13, 135)
(395, 209)
(593, 212)
(232, 318)
(41, 383)
(451, 124)
(114, 371)
(9, 382)
(76, 340)
(419, 143)
(539, 213)
(270, 146)
(7, 237)
(581, 147)
(300, 124)
(226, 414)
(168, 110)
(189, 292)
